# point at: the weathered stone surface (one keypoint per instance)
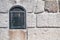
(59, 4)
(58, 20)
(29, 5)
(39, 6)
(42, 20)
(12, 1)
(51, 6)
(5, 5)
(31, 19)
(44, 34)
(49, 20)
(17, 35)
(50, 0)
(4, 34)
(4, 20)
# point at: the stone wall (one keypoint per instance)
(42, 20)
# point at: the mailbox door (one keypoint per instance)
(17, 20)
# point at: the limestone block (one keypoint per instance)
(5, 5)
(49, 20)
(59, 4)
(50, 0)
(40, 6)
(44, 34)
(51, 6)
(58, 19)
(29, 5)
(17, 35)
(4, 34)
(12, 1)
(31, 19)
(4, 20)
(52, 20)
(42, 20)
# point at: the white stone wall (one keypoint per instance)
(4, 34)
(48, 19)
(4, 20)
(31, 20)
(44, 34)
(40, 24)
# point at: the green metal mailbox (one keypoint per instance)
(17, 17)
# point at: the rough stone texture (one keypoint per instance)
(49, 20)
(44, 34)
(17, 35)
(59, 5)
(4, 20)
(31, 20)
(43, 19)
(40, 6)
(5, 5)
(58, 19)
(51, 6)
(4, 34)
(28, 4)
(12, 1)
(49, 0)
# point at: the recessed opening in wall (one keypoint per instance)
(17, 17)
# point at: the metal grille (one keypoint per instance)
(17, 19)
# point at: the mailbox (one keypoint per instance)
(17, 17)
